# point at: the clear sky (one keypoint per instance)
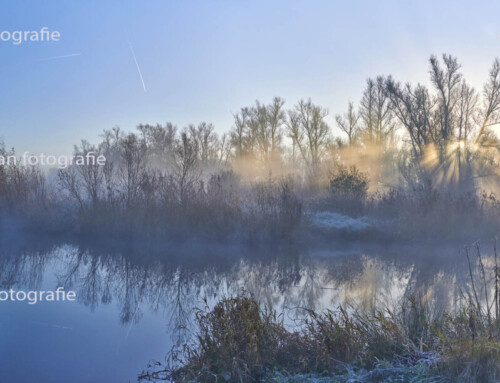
(203, 60)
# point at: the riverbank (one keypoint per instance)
(238, 341)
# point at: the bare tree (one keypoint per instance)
(133, 151)
(348, 123)
(451, 122)
(224, 149)
(276, 120)
(491, 95)
(447, 82)
(375, 112)
(160, 142)
(258, 130)
(90, 172)
(186, 168)
(237, 134)
(206, 142)
(309, 131)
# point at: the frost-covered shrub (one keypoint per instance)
(348, 189)
(349, 183)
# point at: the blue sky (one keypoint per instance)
(203, 60)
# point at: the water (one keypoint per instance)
(133, 305)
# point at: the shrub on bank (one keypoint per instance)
(348, 188)
(238, 341)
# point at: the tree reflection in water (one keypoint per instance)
(174, 282)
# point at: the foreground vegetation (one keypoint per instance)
(238, 341)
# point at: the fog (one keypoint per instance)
(417, 163)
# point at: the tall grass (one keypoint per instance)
(239, 341)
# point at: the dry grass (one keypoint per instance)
(238, 341)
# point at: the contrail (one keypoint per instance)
(138, 69)
(53, 325)
(61, 57)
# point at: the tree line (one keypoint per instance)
(400, 135)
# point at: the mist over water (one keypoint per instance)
(133, 307)
(277, 208)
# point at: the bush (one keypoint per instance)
(349, 183)
(239, 342)
(275, 211)
(236, 342)
(430, 214)
(348, 189)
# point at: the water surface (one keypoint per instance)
(134, 305)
